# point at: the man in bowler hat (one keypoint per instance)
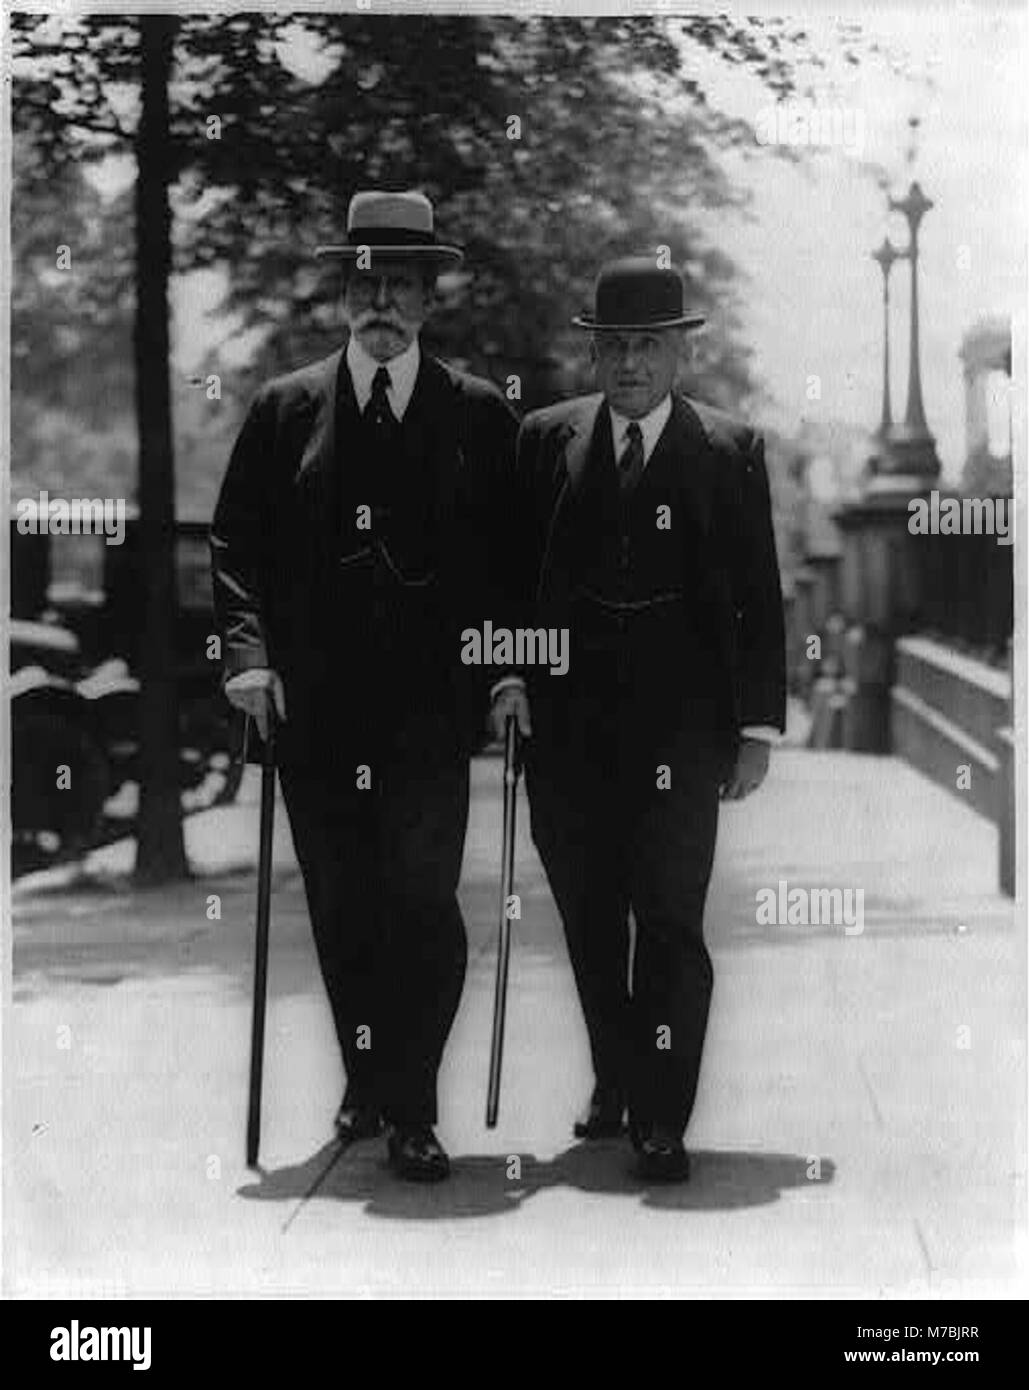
(351, 545)
(648, 534)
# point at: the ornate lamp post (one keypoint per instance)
(907, 460)
(886, 255)
(914, 207)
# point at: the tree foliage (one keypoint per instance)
(617, 149)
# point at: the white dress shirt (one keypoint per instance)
(403, 370)
(650, 425)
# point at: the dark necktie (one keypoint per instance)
(630, 465)
(378, 411)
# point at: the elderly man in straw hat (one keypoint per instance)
(351, 545)
(648, 534)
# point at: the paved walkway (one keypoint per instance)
(859, 1130)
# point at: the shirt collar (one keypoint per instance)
(403, 370)
(650, 426)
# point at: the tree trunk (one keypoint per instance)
(160, 854)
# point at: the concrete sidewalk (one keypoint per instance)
(859, 1130)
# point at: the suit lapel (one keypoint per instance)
(433, 413)
(332, 387)
(686, 459)
(683, 461)
(592, 415)
(572, 452)
(315, 474)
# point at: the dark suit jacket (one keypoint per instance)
(726, 484)
(280, 580)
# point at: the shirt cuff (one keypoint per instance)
(230, 681)
(765, 733)
(239, 659)
(508, 683)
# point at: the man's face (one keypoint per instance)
(387, 305)
(635, 371)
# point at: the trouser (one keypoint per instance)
(381, 869)
(611, 840)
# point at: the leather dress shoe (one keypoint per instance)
(603, 1119)
(355, 1122)
(415, 1154)
(660, 1155)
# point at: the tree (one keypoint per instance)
(66, 109)
(160, 853)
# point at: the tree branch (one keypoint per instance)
(45, 110)
(95, 128)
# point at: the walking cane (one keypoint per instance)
(496, 1055)
(264, 897)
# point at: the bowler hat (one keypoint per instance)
(636, 294)
(393, 224)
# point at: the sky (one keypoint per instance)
(811, 298)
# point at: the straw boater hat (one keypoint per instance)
(634, 294)
(393, 224)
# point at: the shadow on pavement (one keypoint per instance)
(479, 1185)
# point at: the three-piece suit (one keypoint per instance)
(671, 595)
